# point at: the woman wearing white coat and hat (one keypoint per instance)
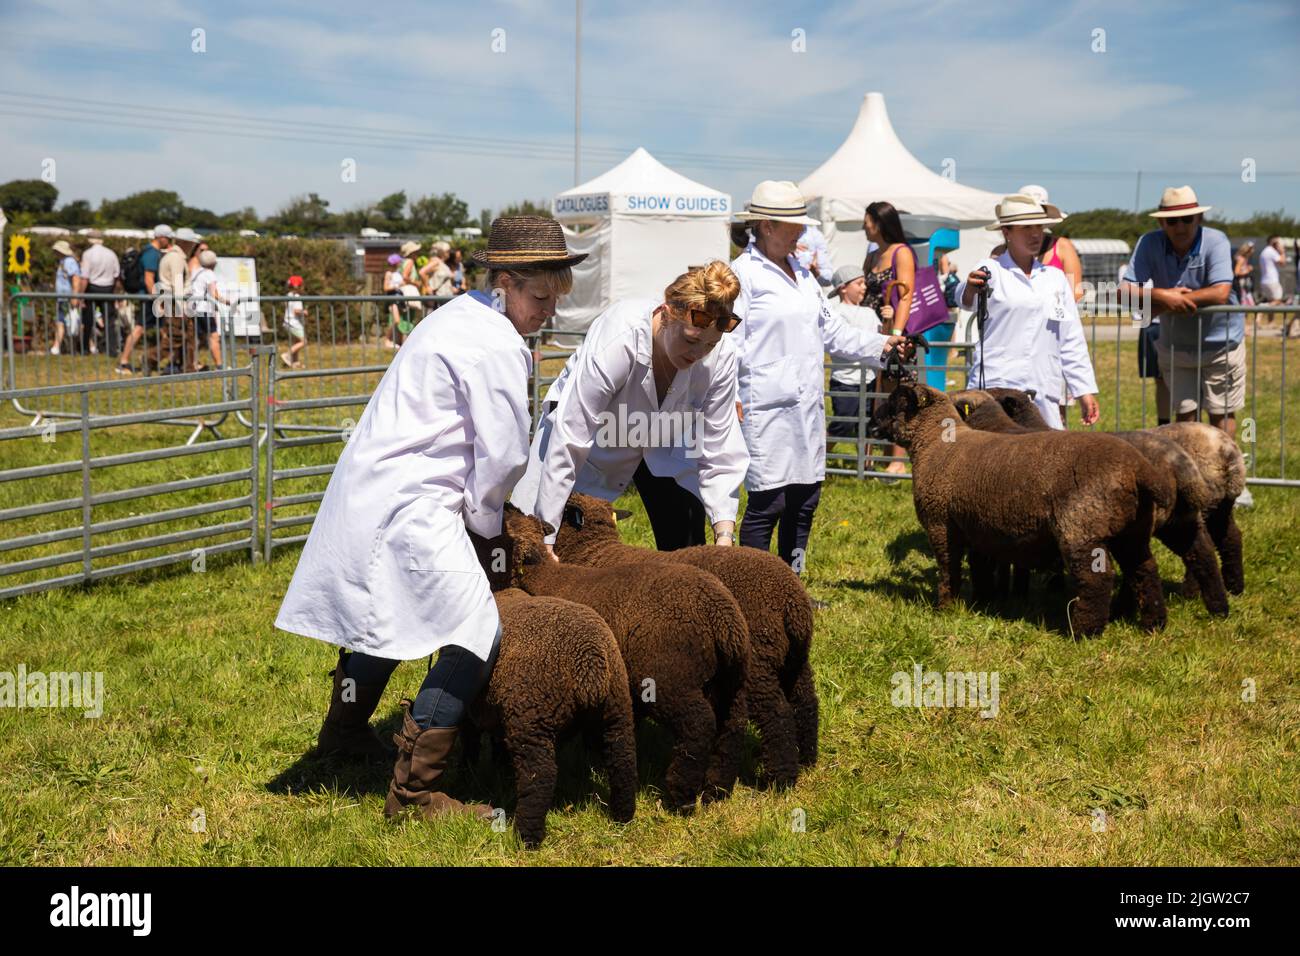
(649, 399)
(1032, 338)
(389, 570)
(786, 329)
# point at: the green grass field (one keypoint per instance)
(208, 709)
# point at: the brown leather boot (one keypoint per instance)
(347, 731)
(422, 756)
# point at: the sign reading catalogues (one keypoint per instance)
(597, 204)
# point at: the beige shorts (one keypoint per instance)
(1218, 389)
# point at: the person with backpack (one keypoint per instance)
(139, 274)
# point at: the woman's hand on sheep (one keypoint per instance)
(550, 552)
(724, 533)
(1091, 409)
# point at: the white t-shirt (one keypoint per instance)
(203, 282)
(860, 317)
(1268, 260)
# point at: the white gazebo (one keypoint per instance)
(641, 225)
(873, 164)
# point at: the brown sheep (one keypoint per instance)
(1030, 498)
(779, 689)
(1221, 467)
(684, 643)
(559, 669)
(1180, 528)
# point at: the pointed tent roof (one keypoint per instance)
(873, 164)
(641, 184)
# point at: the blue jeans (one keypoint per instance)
(451, 685)
(788, 510)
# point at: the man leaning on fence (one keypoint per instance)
(1202, 357)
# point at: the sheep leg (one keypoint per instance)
(1191, 542)
(1223, 530)
(1020, 582)
(618, 745)
(948, 545)
(689, 718)
(770, 710)
(982, 578)
(1091, 610)
(1132, 550)
(724, 762)
(804, 700)
(533, 755)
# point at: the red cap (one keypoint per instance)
(295, 281)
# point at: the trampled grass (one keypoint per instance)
(1126, 749)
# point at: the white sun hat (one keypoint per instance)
(778, 200)
(1022, 210)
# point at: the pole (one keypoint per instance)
(1137, 192)
(577, 94)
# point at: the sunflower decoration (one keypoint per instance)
(20, 256)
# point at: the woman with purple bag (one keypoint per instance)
(891, 277)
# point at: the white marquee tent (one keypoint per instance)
(873, 164)
(644, 224)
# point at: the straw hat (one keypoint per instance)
(526, 242)
(778, 200)
(1178, 201)
(1022, 210)
(409, 247)
(62, 248)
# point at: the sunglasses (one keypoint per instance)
(702, 320)
(1180, 220)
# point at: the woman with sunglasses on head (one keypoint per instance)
(649, 399)
(788, 327)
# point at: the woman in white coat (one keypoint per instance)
(786, 329)
(649, 399)
(389, 570)
(1032, 338)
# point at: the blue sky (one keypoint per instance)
(113, 92)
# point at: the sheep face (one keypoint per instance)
(899, 416)
(1020, 406)
(586, 518)
(525, 534)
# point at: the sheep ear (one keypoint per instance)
(1032, 393)
(621, 514)
(547, 527)
(964, 408)
(923, 398)
(573, 515)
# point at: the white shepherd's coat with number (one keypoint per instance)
(388, 568)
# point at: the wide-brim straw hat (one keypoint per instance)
(526, 242)
(1022, 210)
(62, 248)
(409, 247)
(778, 200)
(1178, 201)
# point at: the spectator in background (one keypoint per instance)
(101, 274)
(294, 313)
(393, 287)
(175, 347)
(456, 263)
(890, 271)
(1270, 278)
(204, 297)
(1243, 274)
(815, 256)
(850, 287)
(66, 275)
(1189, 266)
(149, 260)
(435, 274)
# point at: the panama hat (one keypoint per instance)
(409, 247)
(526, 242)
(778, 200)
(1022, 210)
(1178, 201)
(62, 248)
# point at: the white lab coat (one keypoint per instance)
(786, 328)
(388, 568)
(609, 380)
(1033, 338)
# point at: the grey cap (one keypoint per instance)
(163, 230)
(843, 276)
(186, 234)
